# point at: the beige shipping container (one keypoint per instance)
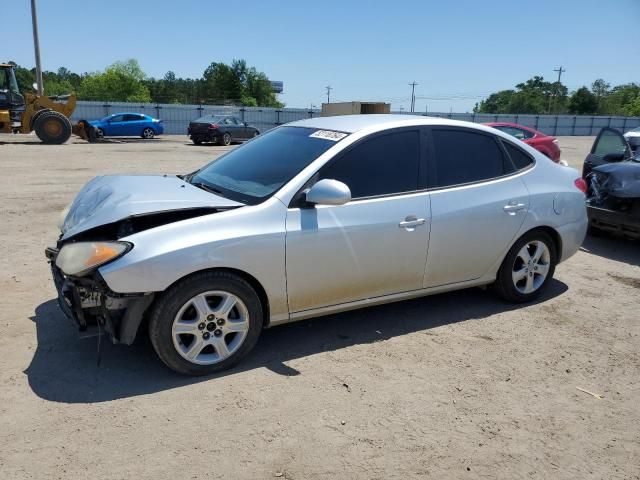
(354, 108)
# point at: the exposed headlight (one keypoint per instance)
(80, 258)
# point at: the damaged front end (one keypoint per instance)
(91, 305)
(613, 203)
(95, 231)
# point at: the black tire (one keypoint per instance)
(148, 133)
(504, 284)
(226, 139)
(99, 133)
(52, 128)
(197, 141)
(256, 133)
(168, 306)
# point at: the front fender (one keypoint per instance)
(250, 239)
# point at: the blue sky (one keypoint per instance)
(457, 51)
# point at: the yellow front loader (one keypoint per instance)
(48, 116)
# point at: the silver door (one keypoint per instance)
(364, 249)
(471, 227)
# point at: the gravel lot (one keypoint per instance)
(458, 385)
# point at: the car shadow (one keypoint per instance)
(64, 368)
(613, 247)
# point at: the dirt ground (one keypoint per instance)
(458, 385)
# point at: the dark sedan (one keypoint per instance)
(220, 129)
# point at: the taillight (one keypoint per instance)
(213, 126)
(580, 184)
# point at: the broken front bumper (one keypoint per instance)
(90, 304)
(614, 222)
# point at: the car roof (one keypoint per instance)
(128, 113)
(374, 122)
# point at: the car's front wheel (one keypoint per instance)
(148, 133)
(226, 139)
(527, 268)
(206, 323)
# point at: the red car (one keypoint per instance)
(543, 143)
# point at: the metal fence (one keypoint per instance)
(177, 117)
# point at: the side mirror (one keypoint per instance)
(328, 192)
(246, 124)
(613, 157)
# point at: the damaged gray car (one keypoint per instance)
(310, 218)
(612, 173)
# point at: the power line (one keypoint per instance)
(329, 88)
(413, 95)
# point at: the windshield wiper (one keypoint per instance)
(208, 188)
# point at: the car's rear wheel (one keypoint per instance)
(206, 323)
(226, 139)
(527, 268)
(197, 141)
(148, 133)
(99, 132)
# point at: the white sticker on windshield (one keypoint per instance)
(328, 135)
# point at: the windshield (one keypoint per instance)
(256, 170)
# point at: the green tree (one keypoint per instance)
(583, 102)
(632, 108)
(121, 81)
(600, 89)
(533, 96)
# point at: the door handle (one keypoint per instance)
(411, 222)
(512, 208)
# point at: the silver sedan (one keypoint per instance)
(314, 217)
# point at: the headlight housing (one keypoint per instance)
(80, 258)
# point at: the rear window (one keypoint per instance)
(209, 119)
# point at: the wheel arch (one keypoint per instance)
(553, 233)
(133, 323)
(250, 279)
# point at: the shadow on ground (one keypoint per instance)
(613, 247)
(64, 368)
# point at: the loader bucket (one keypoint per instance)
(86, 131)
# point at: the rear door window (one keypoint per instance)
(383, 165)
(462, 156)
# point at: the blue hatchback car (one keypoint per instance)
(128, 125)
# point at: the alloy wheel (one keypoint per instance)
(210, 327)
(531, 266)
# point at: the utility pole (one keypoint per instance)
(36, 44)
(329, 88)
(413, 96)
(555, 92)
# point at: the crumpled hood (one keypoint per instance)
(110, 198)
